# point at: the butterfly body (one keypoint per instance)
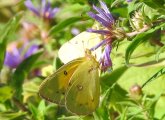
(75, 85)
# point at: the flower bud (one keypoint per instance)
(135, 91)
(119, 33)
(138, 21)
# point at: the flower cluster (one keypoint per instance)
(15, 55)
(105, 18)
(44, 10)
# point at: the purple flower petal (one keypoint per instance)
(104, 6)
(32, 49)
(43, 3)
(106, 60)
(53, 12)
(47, 11)
(75, 31)
(44, 11)
(129, 0)
(30, 6)
(16, 56)
(106, 16)
(13, 58)
(102, 32)
(99, 19)
(45, 6)
(98, 45)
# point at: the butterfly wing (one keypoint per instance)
(83, 94)
(77, 45)
(53, 88)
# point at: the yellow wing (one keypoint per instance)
(82, 96)
(54, 87)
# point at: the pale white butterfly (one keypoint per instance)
(75, 47)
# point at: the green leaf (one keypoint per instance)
(2, 53)
(71, 118)
(41, 107)
(33, 110)
(102, 113)
(155, 4)
(151, 105)
(159, 52)
(111, 78)
(12, 115)
(118, 94)
(63, 25)
(41, 110)
(138, 40)
(117, 2)
(155, 76)
(21, 72)
(6, 93)
(8, 29)
(131, 7)
(162, 118)
(123, 115)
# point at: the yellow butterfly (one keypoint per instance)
(75, 85)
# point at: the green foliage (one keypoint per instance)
(156, 75)
(138, 40)
(63, 24)
(12, 116)
(21, 72)
(158, 5)
(6, 92)
(132, 89)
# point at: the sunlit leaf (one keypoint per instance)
(110, 78)
(156, 75)
(62, 25)
(158, 5)
(124, 114)
(12, 115)
(159, 52)
(6, 92)
(33, 110)
(138, 40)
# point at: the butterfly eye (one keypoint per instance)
(79, 87)
(65, 73)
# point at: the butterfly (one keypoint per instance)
(75, 85)
(75, 47)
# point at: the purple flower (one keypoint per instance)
(44, 10)
(129, 0)
(15, 56)
(75, 31)
(104, 17)
(105, 60)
